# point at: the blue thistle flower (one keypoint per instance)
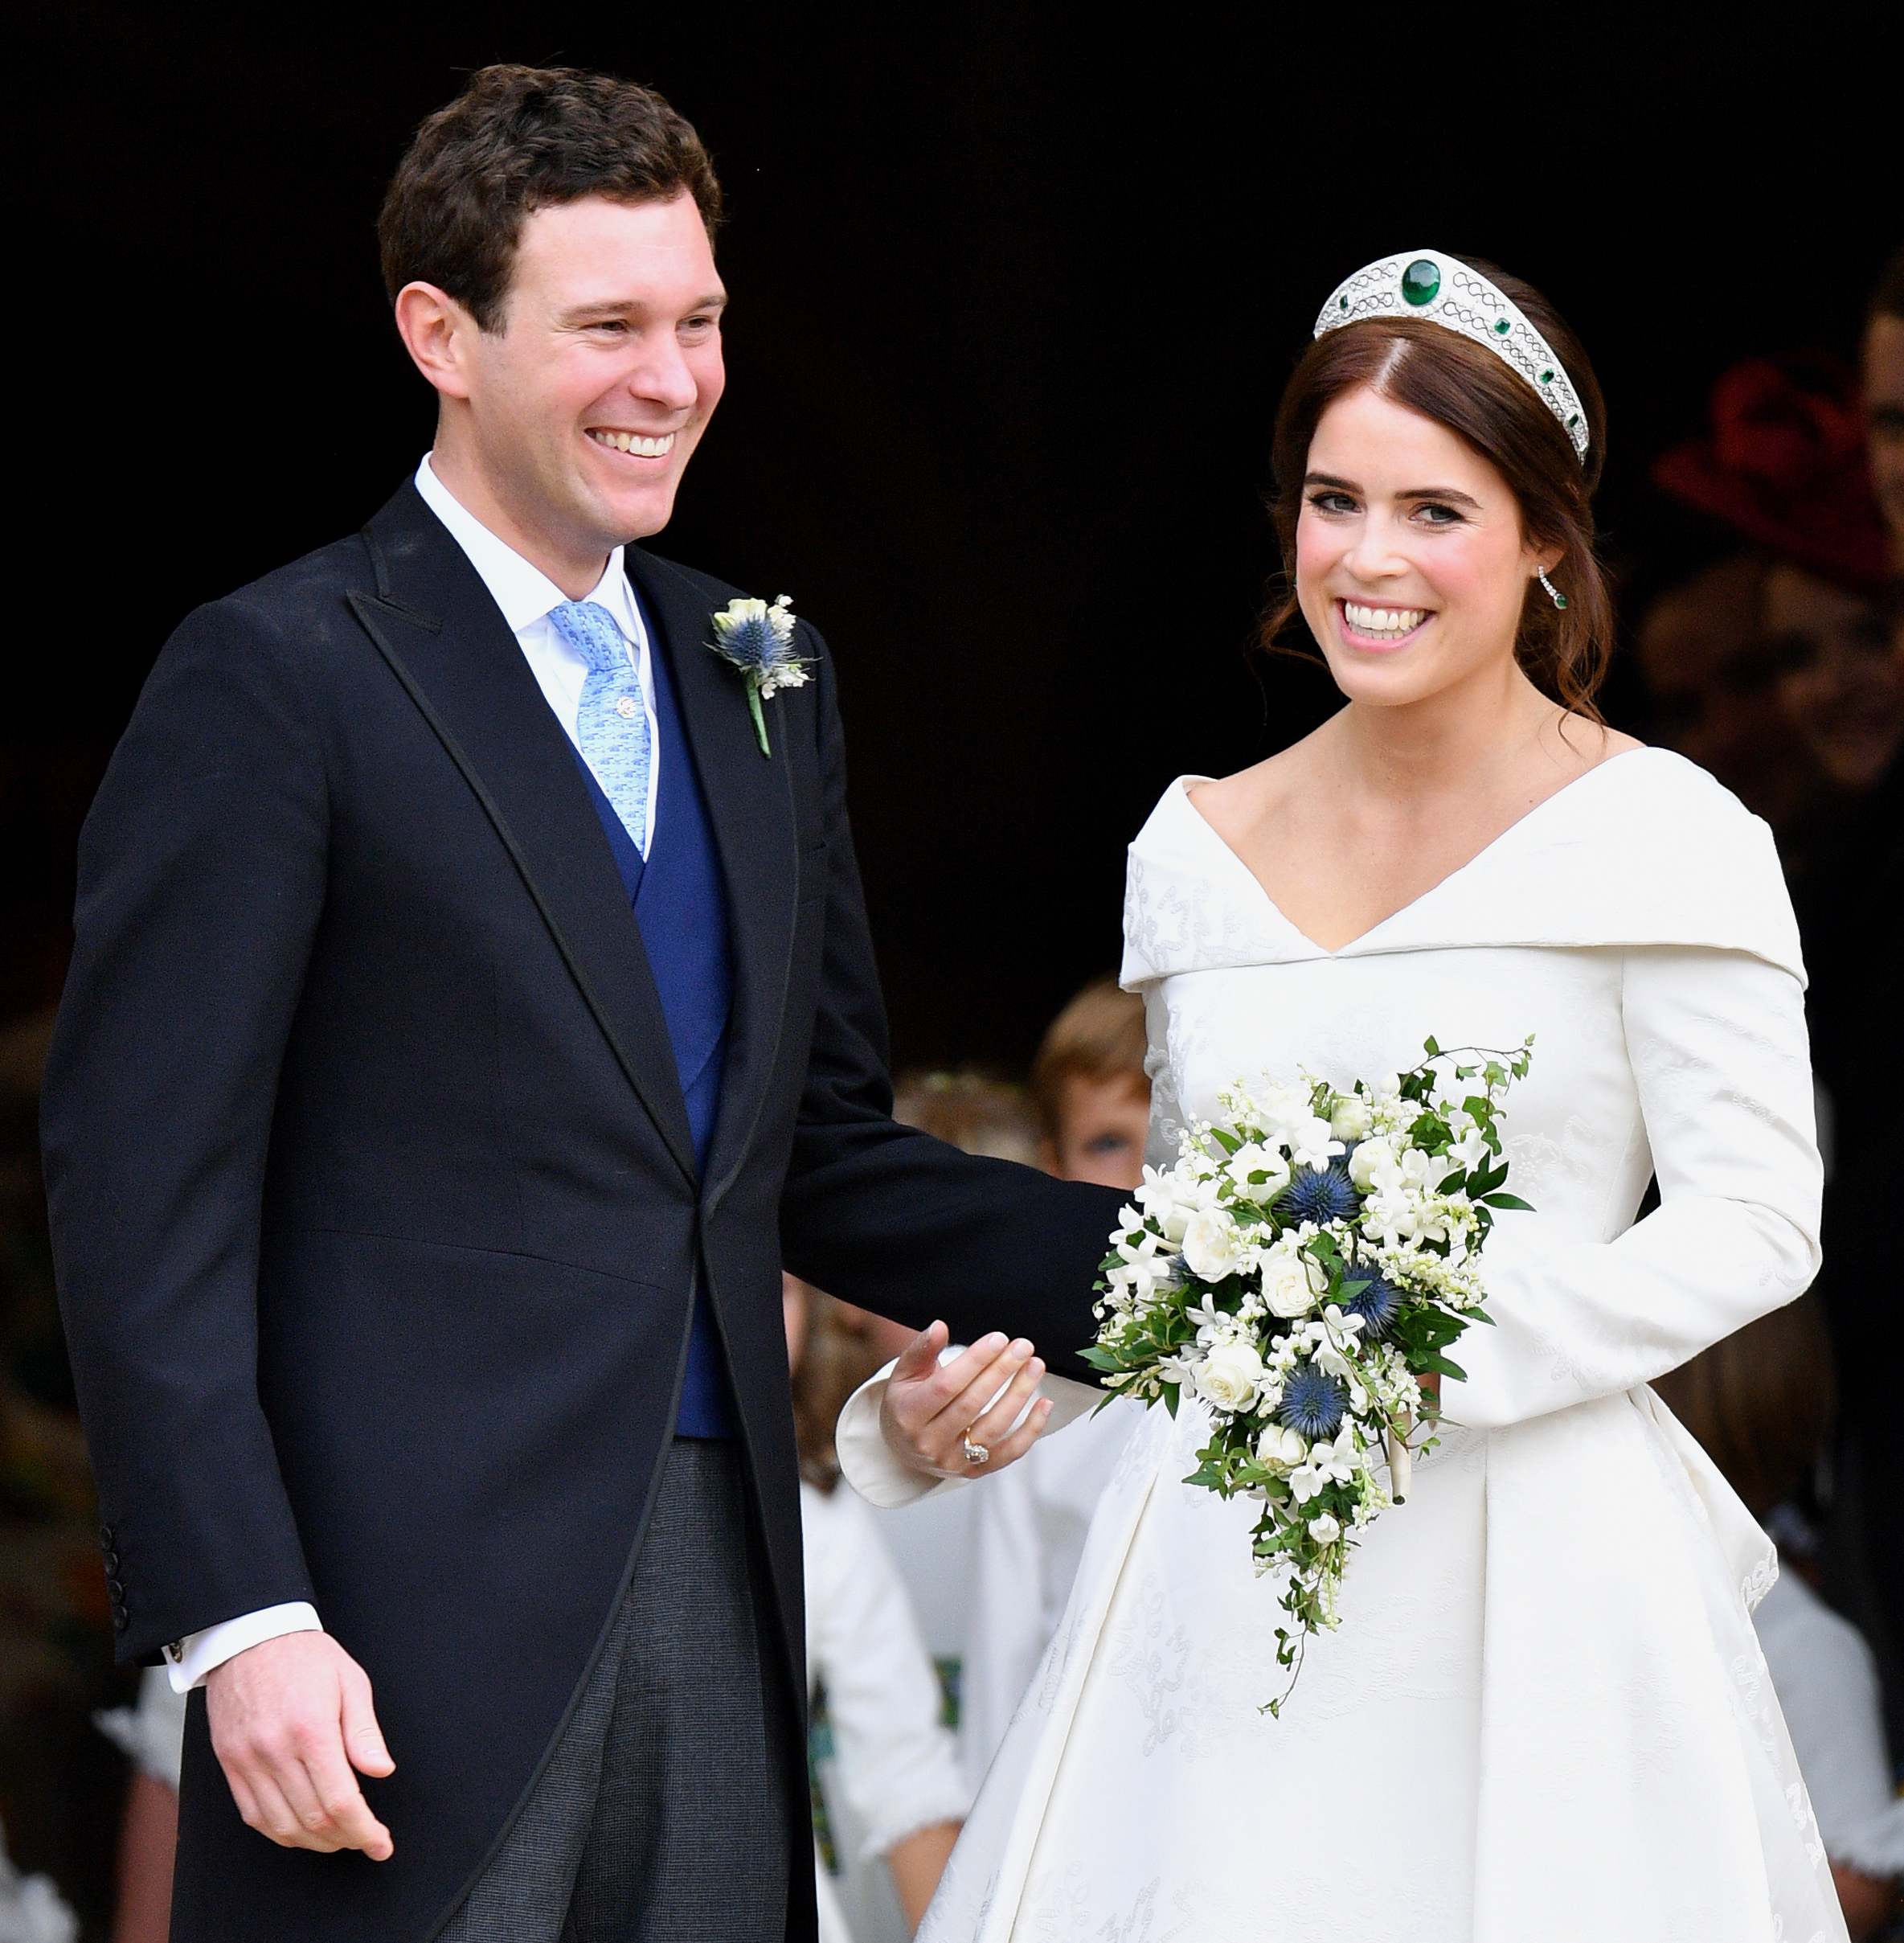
(1377, 1305)
(761, 641)
(1322, 1197)
(751, 643)
(1312, 1403)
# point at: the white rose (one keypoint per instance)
(1282, 1448)
(1211, 1246)
(1372, 1158)
(1324, 1530)
(1229, 1374)
(1351, 1120)
(1259, 1171)
(1287, 1286)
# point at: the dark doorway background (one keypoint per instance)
(1014, 293)
(1013, 297)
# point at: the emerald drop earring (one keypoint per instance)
(1554, 592)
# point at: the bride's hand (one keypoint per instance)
(930, 1414)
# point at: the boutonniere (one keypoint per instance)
(758, 640)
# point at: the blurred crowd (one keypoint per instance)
(1777, 663)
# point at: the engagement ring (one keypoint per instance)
(977, 1454)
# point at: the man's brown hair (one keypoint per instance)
(1099, 1035)
(520, 139)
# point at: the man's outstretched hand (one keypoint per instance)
(931, 1411)
(290, 1719)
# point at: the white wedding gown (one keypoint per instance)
(1545, 1714)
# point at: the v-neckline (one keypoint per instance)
(1414, 903)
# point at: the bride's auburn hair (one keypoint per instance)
(1483, 400)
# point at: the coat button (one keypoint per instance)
(105, 1535)
(112, 1563)
(120, 1622)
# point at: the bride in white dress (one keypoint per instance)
(1545, 1714)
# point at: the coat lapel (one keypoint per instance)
(750, 800)
(434, 621)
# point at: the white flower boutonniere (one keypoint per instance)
(758, 640)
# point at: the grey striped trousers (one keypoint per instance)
(663, 1815)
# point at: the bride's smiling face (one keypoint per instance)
(1411, 564)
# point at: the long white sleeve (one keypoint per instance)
(1718, 1049)
(883, 1479)
(896, 1764)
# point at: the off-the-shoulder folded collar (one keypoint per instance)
(1644, 849)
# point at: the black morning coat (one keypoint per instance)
(373, 1206)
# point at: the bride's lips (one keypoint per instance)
(1375, 627)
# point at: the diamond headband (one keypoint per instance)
(1445, 291)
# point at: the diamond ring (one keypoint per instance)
(977, 1454)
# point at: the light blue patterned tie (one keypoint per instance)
(611, 724)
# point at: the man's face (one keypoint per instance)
(1884, 403)
(587, 402)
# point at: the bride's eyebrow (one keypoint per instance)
(1449, 495)
(1330, 480)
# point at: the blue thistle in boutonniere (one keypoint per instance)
(758, 640)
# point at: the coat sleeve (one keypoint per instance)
(884, 1216)
(1717, 1046)
(201, 883)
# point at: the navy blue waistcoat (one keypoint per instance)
(680, 904)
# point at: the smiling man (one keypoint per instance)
(472, 1009)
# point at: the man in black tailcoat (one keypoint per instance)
(472, 1008)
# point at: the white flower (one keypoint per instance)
(1372, 1160)
(1470, 1151)
(1210, 1320)
(1327, 1463)
(1288, 1284)
(1280, 1448)
(1180, 1369)
(1229, 1374)
(1259, 1171)
(1286, 1105)
(1170, 1200)
(1324, 1530)
(1212, 1247)
(1146, 1265)
(1312, 1144)
(1351, 1120)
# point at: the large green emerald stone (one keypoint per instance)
(1420, 280)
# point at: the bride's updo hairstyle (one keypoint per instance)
(1441, 374)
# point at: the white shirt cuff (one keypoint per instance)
(189, 1659)
(879, 1474)
(884, 1479)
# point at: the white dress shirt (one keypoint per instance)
(525, 595)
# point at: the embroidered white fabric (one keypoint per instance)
(1546, 1712)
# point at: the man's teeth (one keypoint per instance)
(1383, 619)
(633, 442)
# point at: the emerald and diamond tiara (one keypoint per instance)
(1444, 290)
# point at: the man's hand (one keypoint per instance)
(290, 1719)
(929, 1414)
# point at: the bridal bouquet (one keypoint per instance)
(1305, 1264)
